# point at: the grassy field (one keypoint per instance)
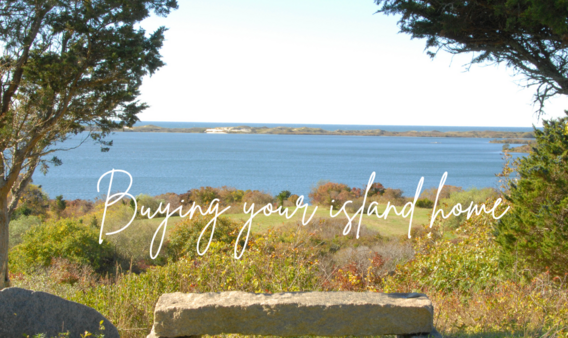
(394, 225)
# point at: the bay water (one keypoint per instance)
(176, 162)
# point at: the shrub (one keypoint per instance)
(394, 196)
(466, 263)
(129, 301)
(424, 203)
(20, 226)
(259, 198)
(58, 205)
(182, 240)
(172, 198)
(293, 199)
(375, 189)
(204, 195)
(283, 196)
(33, 202)
(229, 195)
(77, 208)
(331, 194)
(151, 203)
(536, 228)
(63, 239)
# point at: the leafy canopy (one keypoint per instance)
(65, 65)
(535, 230)
(530, 36)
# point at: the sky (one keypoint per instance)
(321, 62)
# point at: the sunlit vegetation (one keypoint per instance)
(457, 262)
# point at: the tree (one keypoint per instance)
(535, 230)
(528, 35)
(282, 196)
(59, 205)
(67, 66)
(531, 37)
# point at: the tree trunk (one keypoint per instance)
(4, 241)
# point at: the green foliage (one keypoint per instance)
(20, 226)
(151, 203)
(33, 202)
(469, 261)
(535, 230)
(205, 195)
(283, 196)
(183, 237)
(267, 266)
(424, 203)
(460, 276)
(60, 203)
(62, 239)
(231, 195)
(67, 66)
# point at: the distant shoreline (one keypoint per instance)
(318, 131)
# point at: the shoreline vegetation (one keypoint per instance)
(525, 146)
(318, 131)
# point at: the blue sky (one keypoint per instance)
(333, 62)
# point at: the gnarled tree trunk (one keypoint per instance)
(4, 242)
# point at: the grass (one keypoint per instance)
(394, 225)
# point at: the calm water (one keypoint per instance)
(171, 162)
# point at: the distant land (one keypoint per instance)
(526, 147)
(318, 131)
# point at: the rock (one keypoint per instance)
(292, 314)
(24, 312)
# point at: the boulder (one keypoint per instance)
(24, 312)
(292, 314)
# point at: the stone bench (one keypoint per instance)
(294, 314)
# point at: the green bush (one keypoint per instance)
(283, 196)
(183, 238)
(33, 202)
(535, 230)
(63, 239)
(470, 261)
(149, 202)
(20, 226)
(424, 203)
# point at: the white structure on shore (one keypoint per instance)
(225, 130)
